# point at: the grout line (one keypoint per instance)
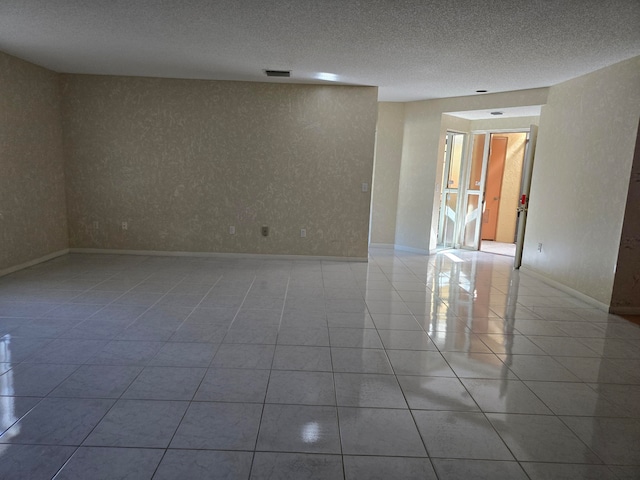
(142, 367)
(115, 401)
(387, 272)
(238, 311)
(264, 402)
(198, 304)
(195, 391)
(404, 396)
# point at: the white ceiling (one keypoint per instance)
(410, 49)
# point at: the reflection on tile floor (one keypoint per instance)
(408, 366)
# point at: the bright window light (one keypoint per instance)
(329, 77)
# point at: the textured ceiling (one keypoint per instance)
(410, 49)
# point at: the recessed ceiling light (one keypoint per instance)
(496, 113)
(481, 91)
(329, 77)
(278, 73)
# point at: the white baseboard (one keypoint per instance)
(566, 289)
(404, 248)
(263, 256)
(382, 245)
(35, 261)
(625, 310)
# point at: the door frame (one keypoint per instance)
(444, 189)
(480, 192)
(525, 190)
(483, 181)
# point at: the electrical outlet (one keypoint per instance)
(365, 187)
(125, 226)
(303, 232)
(96, 225)
(540, 247)
(232, 230)
(265, 231)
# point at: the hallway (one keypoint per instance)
(450, 366)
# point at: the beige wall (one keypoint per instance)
(581, 177)
(182, 160)
(32, 197)
(386, 176)
(509, 123)
(626, 286)
(417, 175)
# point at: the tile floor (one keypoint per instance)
(449, 366)
(499, 248)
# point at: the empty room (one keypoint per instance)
(266, 240)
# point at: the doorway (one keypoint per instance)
(481, 190)
(502, 192)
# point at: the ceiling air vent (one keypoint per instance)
(278, 73)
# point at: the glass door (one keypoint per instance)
(450, 197)
(474, 191)
(474, 213)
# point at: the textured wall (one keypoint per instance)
(384, 201)
(581, 176)
(626, 286)
(182, 160)
(32, 197)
